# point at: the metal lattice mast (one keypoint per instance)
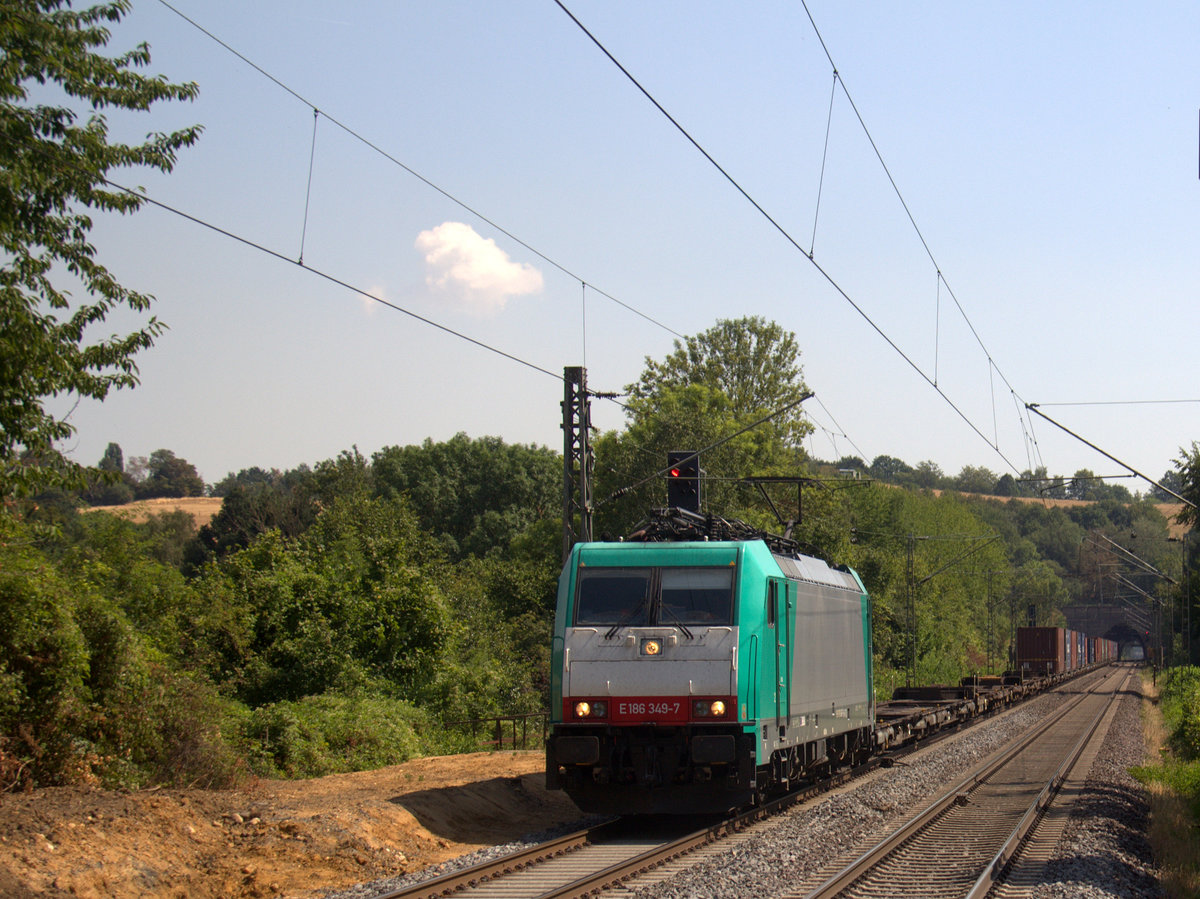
(578, 460)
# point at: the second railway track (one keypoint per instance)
(962, 842)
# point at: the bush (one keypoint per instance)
(43, 668)
(332, 733)
(1181, 711)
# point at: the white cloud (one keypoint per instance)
(472, 269)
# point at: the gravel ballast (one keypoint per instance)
(1104, 852)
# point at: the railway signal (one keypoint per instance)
(683, 480)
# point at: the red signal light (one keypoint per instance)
(674, 472)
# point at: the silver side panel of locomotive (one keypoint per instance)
(829, 691)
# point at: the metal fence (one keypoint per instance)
(507, 731)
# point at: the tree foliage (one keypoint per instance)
(713, 386)
(54, 166)
(1188, 466)
(752, 362)
(474, 494)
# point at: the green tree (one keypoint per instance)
(712, 386)
(1085, 485)
(111, 488)
(755, 363)
(928, 474)
(170, 475)
(53, 177)
(1040, 483)
(348, 604)
(890, 469)
(688, 418)
(975, 479)
(1007, 486)
(1188, 466)
(256, 501)
(113, 459)
(1172, 481)
(477, 494)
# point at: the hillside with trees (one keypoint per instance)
(366, 610)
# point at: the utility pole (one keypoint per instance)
(1185, 596)
(911, 581)
(578, 459)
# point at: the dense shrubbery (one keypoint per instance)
(1180, 699)
(1174, 784)
(351, 643)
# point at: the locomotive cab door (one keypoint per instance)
(781, 598)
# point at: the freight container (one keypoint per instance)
(1042, 650)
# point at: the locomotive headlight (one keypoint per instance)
(595, 709)
(651, 647)
(703, 708)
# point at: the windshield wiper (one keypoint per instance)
(635, 612)
(662, 607)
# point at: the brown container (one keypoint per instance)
(1041, 650)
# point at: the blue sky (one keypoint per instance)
(1047, 152)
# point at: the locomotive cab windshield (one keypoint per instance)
(650, 597)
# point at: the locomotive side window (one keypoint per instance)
(613, 596)
(697, 596)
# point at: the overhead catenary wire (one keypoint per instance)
(312, 156)
(1033, 407)
(584, 284)
(841, 432)
(332, 279)
(712, 446)
(791, 240)
(1120, 403)
(395, 161)
(895, 187)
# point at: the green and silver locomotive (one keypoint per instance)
(692, 677)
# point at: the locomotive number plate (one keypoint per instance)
(650, 708)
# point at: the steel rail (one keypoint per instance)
(465, 879)
(953, 796)
(652, 858)
(995, 869)
(452, 882)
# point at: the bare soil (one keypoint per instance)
(271, 838)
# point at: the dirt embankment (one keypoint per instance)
(271, 838)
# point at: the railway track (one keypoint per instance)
(603, 857)
(966, 841)
(609, 856)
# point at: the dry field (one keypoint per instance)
(201, 508)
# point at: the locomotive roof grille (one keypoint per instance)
(802, 569)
